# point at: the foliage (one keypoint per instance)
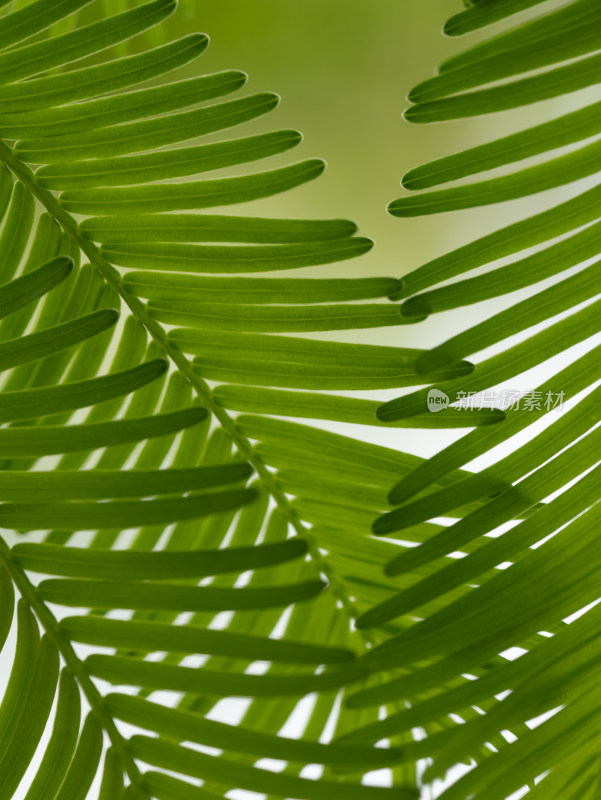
(543, 487)
(208, 545)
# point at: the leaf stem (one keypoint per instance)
(203, 390)
(49, 622)
(113, 277)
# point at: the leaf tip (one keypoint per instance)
(111, 315)
(416, 306)
(383, 412)
(199, 41)
(423, 177)
(391, 569)
(433, 360)
(399, 290)
(157, 365)
(381, 525)
(318, 164)
(363, 621)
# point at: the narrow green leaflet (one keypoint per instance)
(30, 403)
(173, 597)
(29, 287)
(145, 135)
(573, 127)
(50, 440)
(184, 639)
(222, 228)
(480, 14)
(168, 722)
(493, 615)
(124, 107)
(125, 564)
(118, 514)
(52, 340)
(87, 82)
(153, 675)
(199, 194)
(63, 49)
(35, 18)
(161, 752)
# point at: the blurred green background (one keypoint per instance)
(342, 68)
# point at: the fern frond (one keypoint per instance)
(529, 557)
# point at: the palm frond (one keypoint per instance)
(529, 558)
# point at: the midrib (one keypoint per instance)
(112, 276)
(51, 625)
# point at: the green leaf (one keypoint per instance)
(306, 364)
(153, 675)
(170, 723)
(119, 108)
(30, 403)
(308, 351)
(173, 597)
(52, 340)
(112, 780)
(63, 740)
(572, 77)
(242, 258)
(508, 572)
(48, 440)
(42, 56)
(133, 504)
(574, 501)
(559, 434)
(7, 597)
(561, 297)
(556, 36)
(199, 194)
(85, 761)
(275, 318)
(134, 566)
(479, 14)
(504, 507)
(118, 514)
(13, 239)
(222, 228)
(511, 239)
(573, 127)
(342, 409)
(162, 753)
(148, 636)
(167, 788)
(100, 483)
(87, 82)
(22, 676)
(557, 172)
(552, 340)
(259, 291)
(107, 164)
(27, 725)
(34, 18)
(18, 293)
